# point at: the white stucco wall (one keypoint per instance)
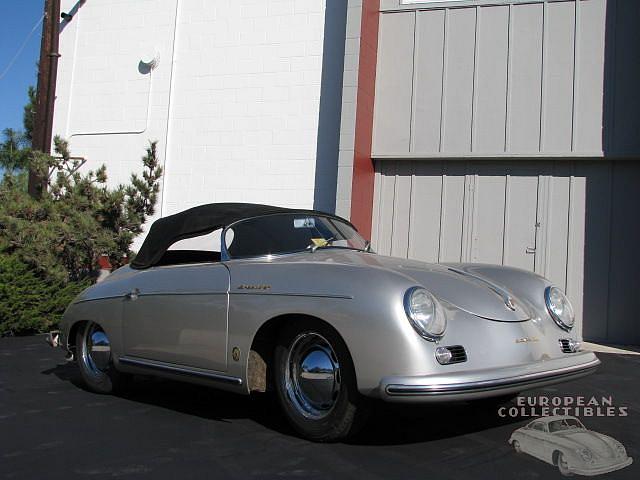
(233, 102)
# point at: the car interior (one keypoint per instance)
(200, 249)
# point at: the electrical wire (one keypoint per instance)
(24, 44)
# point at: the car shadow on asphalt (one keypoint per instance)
(400, 424)
(389, 424)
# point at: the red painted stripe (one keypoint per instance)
(363, 173)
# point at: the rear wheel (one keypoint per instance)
(93, 351)
(316, 382)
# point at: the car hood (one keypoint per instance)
(469, 292)
(595, 442)
(465, 290)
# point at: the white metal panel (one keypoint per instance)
(553, 217)
(510, 77)
(490, 96)
(488, 215)
(521, 195)
(452, 214)
(576, 246)
(523, 132)
(590, 87)
(428, 74)
(557, 107)
(401, 209)
(458, 94)
(394, 83)
(377, 195)
(387, 199)
(426, 208)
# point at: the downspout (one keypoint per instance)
(169, 110)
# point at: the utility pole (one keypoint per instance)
(46, 95)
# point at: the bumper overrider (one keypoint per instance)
(57, 339)
(472, 384)
(53, 338)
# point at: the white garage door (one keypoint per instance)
(513, 213)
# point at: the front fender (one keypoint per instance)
(363, 305)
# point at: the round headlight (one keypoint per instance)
(559, 307)
(586, 454)
(425, 313)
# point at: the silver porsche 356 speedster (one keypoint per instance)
(295, 301)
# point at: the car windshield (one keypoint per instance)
(288, 233)
(565, 424)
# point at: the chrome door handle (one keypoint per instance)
(530, 250)
(133, 294)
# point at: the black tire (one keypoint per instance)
(349, 409)
(104, 378)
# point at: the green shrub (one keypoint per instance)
(29, 302)
(50, 244)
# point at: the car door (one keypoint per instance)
(177, 314)
(539, 440)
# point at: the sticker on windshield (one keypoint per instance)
(304, 222)
(320, 242)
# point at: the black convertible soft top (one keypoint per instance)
(199, 221)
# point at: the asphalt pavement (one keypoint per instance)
(51, 428)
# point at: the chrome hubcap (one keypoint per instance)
(97, 351)
(312, 375)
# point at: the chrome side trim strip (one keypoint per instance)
(484, 385)
(180, 370)
(175, 294)
(275, 294)
(93, 299)
(285, 294)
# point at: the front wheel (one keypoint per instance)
(93, 351)
(563, 466)
(316, 382)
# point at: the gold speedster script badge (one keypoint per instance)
(253, 287)
(526, 340)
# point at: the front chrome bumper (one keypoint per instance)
(473, 384)
(600, 469)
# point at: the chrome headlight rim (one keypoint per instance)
(420, 330)
(552, 313)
